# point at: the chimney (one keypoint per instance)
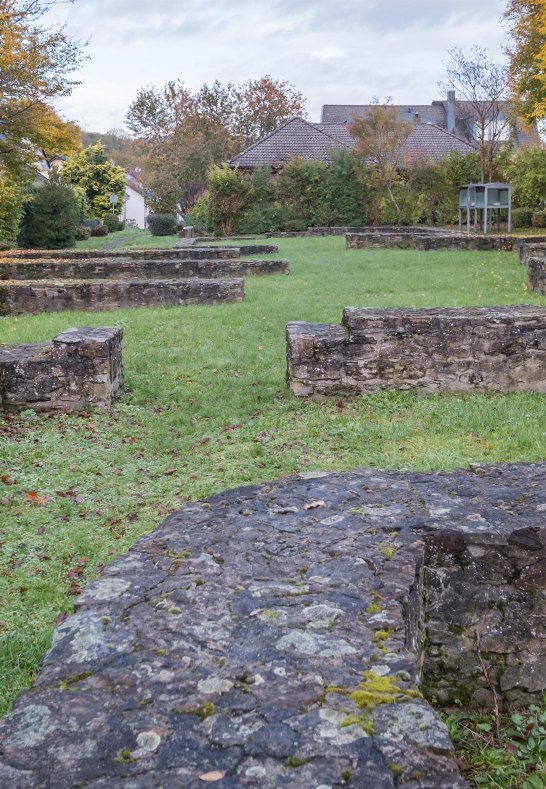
(416, 118)
(451, 111)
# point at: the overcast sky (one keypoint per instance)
(332, 51)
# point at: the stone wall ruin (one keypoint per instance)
(478, 349)
(78, 369)
(283, 635)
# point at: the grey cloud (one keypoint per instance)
(385, 16)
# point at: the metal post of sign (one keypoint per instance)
(113, 200)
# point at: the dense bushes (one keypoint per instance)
(522, 217)
(50, 216)
(99, 231)
(306, 193)
(162, 224)
(112, 222)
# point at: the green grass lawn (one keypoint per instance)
(131, 237)
(206, 408)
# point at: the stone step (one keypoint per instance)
(30, 296)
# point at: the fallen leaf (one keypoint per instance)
(32, 497)
(312, 505)
(340, 404)
(215, 775)
(6, 479)
(169, 471)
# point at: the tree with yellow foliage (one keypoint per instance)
(35, 67)
(527, 53)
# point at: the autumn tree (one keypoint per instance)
(481, 88)
(527, 54)
(380, 138)
(185, 133)
(92, 171)
(35, 67)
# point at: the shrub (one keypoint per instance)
(50, 217)
(230, 193)
(99, 230)
(5, 245)
(522, 217)
(200, 213)
(295, 226)
(112, 222)
(82, 233)
(539, 219)
(162, 224)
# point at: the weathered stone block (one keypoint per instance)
(501, 349)
(80, 368)
(30, 296)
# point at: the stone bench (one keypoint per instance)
(126, 268)
(471, 349)
(80, 368)
(31, 296)
(273, 636)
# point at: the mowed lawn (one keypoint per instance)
(206, 408)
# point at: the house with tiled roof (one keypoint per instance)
(318, 142)
(438, 129)
(452, 115)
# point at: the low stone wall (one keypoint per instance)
(18, 298)
(123, 268)
(80, 368)
(274, 635)
(175, 253)
(537, 274)
(381, 229)
(496, 349)
(251, 249)
(426, 241)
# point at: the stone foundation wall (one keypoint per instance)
(18, 298)
(426, 241)
(177, 253)
(251, 249)
(342, 231)
(125, 268)
(499, 349)
(80, 368)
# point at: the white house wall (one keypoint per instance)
(134, 208)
